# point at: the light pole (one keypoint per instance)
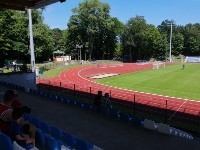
(170, 42)
(79, 46)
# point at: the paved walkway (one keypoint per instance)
(100, 130)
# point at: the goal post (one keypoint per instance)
(157, 65)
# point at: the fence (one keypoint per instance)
(139, 105)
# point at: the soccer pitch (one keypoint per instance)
(169, 81)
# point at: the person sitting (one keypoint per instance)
(16, 132)
(6, 111)
(16, 103)
(26, 135)
(97, 101)
(106, 103)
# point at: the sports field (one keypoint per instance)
(169, 81)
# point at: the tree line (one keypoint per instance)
(101, 36)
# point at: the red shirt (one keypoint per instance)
(16, 103)
(4, 126)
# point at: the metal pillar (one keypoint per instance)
(31, 41)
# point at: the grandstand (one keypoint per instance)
(98, 129)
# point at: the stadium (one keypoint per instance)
(152, 104)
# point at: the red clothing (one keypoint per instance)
(4, 126)
(16, 103)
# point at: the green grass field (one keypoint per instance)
(168, 81)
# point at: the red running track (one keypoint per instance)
(81, 78)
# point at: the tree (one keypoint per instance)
(14, 36)
(92, 24)
(6, 23)
(192, 40)
(133, 36)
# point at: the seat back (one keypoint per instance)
(45, 127)
(164, 128)
(40, 138)
(51, 143)
(27, 117)
(36, 122)
(82, 145)
(56, 132)
(5, 142)
(17, 146)
(149, 124)
(69, 139)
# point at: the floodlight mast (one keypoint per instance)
(170, 44)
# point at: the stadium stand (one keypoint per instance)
(54, 137)
(46, 133)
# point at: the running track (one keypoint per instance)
(81, 78)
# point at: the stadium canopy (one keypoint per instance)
(26, 4)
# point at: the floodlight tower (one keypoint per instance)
(170, 43)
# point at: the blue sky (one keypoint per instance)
(154, 11)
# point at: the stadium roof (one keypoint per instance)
(24, 4)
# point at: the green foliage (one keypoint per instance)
(92, 24)
(14, 36)
(102, 36)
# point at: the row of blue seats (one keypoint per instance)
(49, 135)
(14, 86)
(50, 143)
(111, 113)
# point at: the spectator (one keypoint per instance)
(26, 134)
(97, 101)
(106, 103)
(18, 104)
(6, 111)
(16, 132)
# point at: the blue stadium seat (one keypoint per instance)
(104, 111)
(56, 132)
(79, 104)
(51, 143)
(35, 121)
(87, 106)
(17, 147)
(27, 117)
(114, 114)
(82, 145)
(66, 100)
(137, 121)
(45, 127)
(124, 117)
(40, 138)
(69, 139)
(5, 142)
(72, 102)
